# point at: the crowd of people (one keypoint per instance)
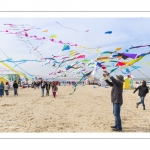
(46, 86)
(5, 88)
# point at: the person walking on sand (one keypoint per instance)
(15, 86)
(2, 88)
(42, 88)
(47, 88)
(143, 90)
(54, 90)
(116, 98)
(7, 88)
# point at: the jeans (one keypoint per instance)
(6, 91)
(116, 112)
(15, 91)
(1, 92)
(142, 101)
(42, 91)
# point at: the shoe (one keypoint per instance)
(143, 108)
(115, 129)
(136, 105)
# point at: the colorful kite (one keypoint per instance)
(66, 47)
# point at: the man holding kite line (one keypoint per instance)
(116, 97)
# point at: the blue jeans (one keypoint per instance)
(15, 91)
(42, 91)
(116, 112)
(142, 101)
(1, 92)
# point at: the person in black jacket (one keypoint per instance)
(48, 86)
(15, 86)
(116, 98)
(143, 90)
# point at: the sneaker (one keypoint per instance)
(136, 105)
(143, 108)
(113, 127)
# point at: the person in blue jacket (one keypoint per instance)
(2, 88)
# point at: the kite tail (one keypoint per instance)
(113, 70)
(76, 85)
(84, 75)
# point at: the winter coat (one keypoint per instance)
(54, 89)
(6, 87)
(48, 86)
(143, 90)
(117, 90)
(2, 86)
(43, 85)
(15, 85)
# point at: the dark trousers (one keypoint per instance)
(116, 112)
(1, 92)
(47, 92)
(15, 91)
(6, 91)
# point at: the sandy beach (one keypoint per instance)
(87, 110)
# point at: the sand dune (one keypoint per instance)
(87, 110)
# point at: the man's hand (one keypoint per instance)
(106, 72)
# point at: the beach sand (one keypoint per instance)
(87, 110)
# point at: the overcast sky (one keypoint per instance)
(125, 32)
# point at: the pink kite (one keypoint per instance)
(81, 56)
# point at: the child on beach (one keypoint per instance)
(143, 90)
(54, 90)
(6, 89)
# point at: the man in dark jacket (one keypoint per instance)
(15, 86)
(48, 86)
(143, 90)
(116, 97)
(43, 84)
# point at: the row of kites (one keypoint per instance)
(84, 62)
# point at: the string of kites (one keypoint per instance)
(80, 63)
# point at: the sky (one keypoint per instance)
(126, 32)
